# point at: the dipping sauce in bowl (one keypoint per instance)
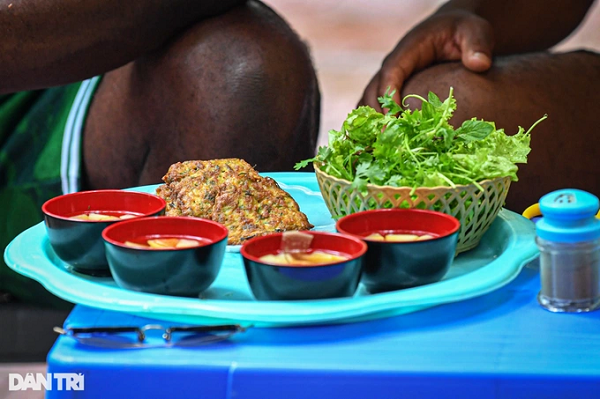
(105, 215)
(162, 242)
(406, 247)
(74, 223)
(328, 265)
(304, 258)
(167, 255)
(399, 236)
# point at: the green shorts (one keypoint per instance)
(40, 158)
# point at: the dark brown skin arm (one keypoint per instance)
(52, 42)
(526, 26)
(473, 31)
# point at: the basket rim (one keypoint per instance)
(375, 186)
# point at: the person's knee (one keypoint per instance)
(239, 85)
(474, 92)
(517, 91)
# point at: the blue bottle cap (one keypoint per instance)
(568, 216)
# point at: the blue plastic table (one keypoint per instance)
(500, 345)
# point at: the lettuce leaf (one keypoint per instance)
(419, 148)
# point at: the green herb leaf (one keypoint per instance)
(387, 102)
(419, 148)
(434, 100)
(474, 130)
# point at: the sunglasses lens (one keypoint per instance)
(196, 339)
(116, 341)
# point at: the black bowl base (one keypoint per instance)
(93, 273)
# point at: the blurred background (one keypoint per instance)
(349, 39)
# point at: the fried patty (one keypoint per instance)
(231, 192)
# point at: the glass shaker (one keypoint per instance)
(568, 237)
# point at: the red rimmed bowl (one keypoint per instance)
(393, 265)
(185, 271)
(271, 281)
(79, 242)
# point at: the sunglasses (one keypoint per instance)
(136, 337)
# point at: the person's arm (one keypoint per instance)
(473, 31)
(52, 42)
(524, 26)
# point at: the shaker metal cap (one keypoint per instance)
(569, 216)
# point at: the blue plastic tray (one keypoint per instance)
(504, 250)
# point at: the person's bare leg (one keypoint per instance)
(238, 85)
(519, 90)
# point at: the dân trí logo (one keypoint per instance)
(49, 382)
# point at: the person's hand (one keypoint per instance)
(448, 36)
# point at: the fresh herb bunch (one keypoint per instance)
(419, 148)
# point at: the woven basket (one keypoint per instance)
(475, 209)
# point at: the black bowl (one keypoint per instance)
(79, 242)
(398, 265)
(166, 271)
(270, 281)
